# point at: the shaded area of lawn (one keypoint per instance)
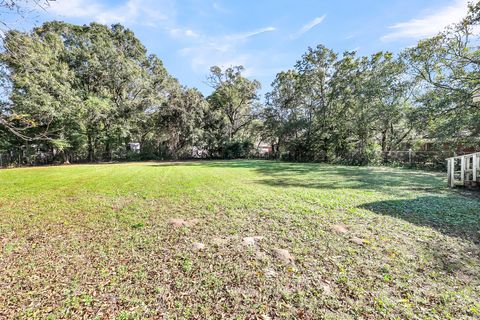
(453, 216)
(323, 176)
(419, 197)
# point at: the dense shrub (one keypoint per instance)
(237, 149)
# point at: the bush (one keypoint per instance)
(237, 149)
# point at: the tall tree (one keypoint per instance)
(89, 83)
(336, 108)
(19, 125)
(43, 101)
(447, 73)
(180, 120)
(234, 96)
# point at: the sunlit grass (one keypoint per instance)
(94, 241)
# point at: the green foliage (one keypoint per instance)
(180, 120)
(338, 108)
(237, 149)
(95, 89)
(356, 110)
(85, 85)
(233, 105)
(446, 69)
(85, 93)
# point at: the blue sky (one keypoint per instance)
(265, 36)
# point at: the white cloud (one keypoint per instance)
(312, 24)
(247, 35)
(181, 33)
(204, 55)
(200, 50)
(219, 8)
(219, 42)
(75, 8)
(429, 24)
(351, 36)
(205, 51)
(130, 12)
(309, 26)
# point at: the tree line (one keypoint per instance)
(89, 93)
(84, 93)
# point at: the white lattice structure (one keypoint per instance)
(464, 170)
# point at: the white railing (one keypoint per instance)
(464, 170)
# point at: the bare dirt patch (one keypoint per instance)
(283, 255)
(340, 228)
(250, 241)
(179, 223)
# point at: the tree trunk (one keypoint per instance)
(65, 157)
(108, 151)
(384, 146)
(90, 148)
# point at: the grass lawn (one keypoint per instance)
(98, 241)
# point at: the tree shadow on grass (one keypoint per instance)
(452, 216)
(429, 202)
(456, 217)
(420, 198)
(330, 177)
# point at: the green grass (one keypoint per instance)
(93, 241)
